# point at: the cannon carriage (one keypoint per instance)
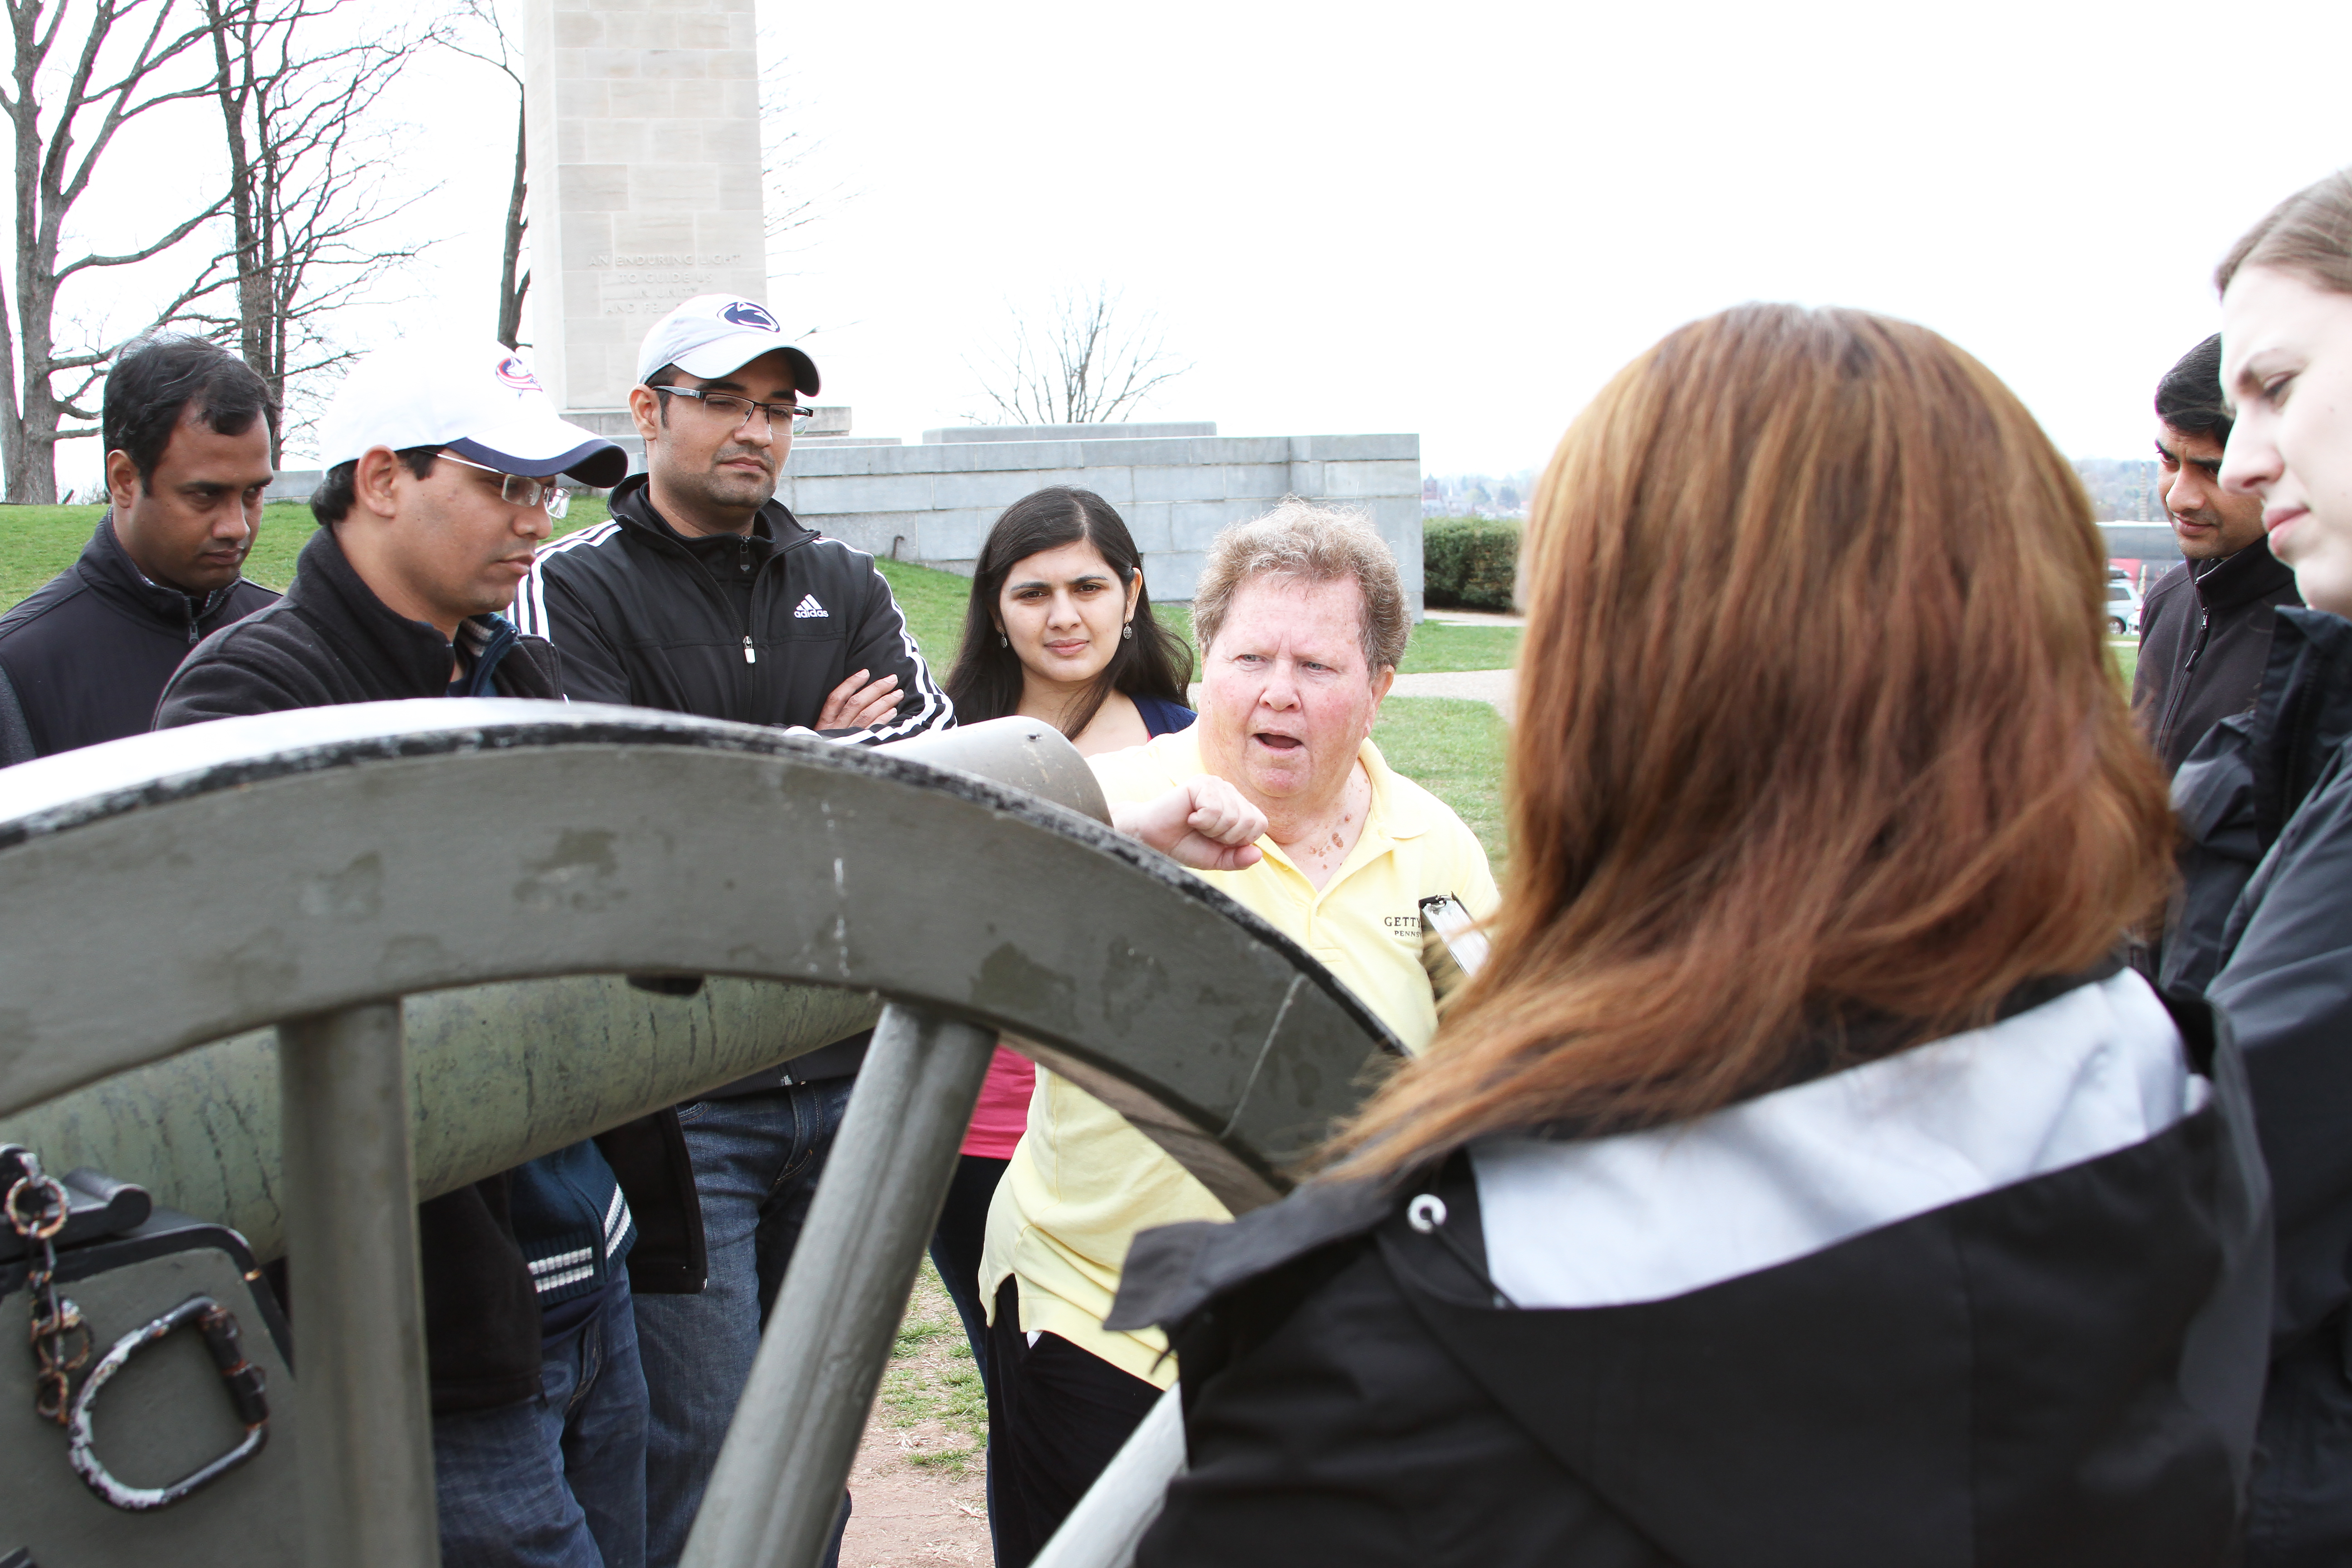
(292, 973)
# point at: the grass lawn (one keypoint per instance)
(1440, 649)
(1452, 747)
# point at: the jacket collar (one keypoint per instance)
(630, 504)
(111, 574)
(409, 656)
(2251, 575)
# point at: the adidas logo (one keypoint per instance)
(808, 608)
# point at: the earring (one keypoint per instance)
(1127, 632)
(1004, 641)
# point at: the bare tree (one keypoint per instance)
(498, 52)
(308, 167)
(122, 59)
(1084, 362)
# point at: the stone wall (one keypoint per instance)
(934, 503)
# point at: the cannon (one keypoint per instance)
(414, 916)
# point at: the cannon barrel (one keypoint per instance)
(498, 1075)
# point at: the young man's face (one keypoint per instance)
(190, 525)
(453, 548)
(707, 462)
(2208, 521)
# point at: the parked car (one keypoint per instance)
(2122, 606)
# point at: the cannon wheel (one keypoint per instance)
(309, 870)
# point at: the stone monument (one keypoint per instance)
(642, 123)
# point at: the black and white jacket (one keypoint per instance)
(1998, 1300)
(758, 629)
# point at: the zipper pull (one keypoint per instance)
(749, 657)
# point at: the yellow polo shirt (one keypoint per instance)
(1083, 1182)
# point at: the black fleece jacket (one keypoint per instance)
(757, 628)
(2205, 636)
(330, 641)
(87, 653)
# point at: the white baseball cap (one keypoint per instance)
(479, 400)
(712, 334)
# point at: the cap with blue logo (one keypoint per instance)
(713, 334)
(478, 399)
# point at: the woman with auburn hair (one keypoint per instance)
(2264, 920)
(1802, 1179)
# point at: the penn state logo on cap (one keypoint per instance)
(516, 374)
(717, 334)
(744, 314)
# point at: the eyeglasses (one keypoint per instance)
(516, 490)
(736, 409)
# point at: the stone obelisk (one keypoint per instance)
(643, 123)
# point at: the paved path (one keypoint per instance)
(1485, 685)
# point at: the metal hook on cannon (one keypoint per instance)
(240, 1377)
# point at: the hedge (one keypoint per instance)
(1471, 563)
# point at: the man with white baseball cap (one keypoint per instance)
(442, 470)
(704, 594)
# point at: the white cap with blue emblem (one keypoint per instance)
(713, 334)
(478, 399)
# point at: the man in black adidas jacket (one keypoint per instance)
(187, 429)
(440, 478)
(704, 595)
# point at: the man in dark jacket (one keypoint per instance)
(705, 595)
(2205, 631)
(441, 476)
(187, 429)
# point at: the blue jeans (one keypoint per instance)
(557, 1481)
(756, 1158)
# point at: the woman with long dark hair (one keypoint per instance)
(1058, 629)
(1802, 1180)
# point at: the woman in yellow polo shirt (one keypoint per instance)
(1302, 621)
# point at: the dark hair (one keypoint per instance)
(332, 500)
(987, 678)
(667, 377)
(2188, 399)
(2308, 234)
(157, 378)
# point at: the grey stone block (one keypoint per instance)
(1068, 432)
(1172, 577)
(1149, 523)
(1179, 482)
(1372, 478)
(1354, 448)
(821, 496)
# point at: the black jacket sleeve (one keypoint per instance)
(592, 670)
(880, 645)
(2287, 991)
(229, 685)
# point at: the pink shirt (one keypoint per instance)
(1004, 1111)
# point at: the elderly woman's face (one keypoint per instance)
(1286, 696)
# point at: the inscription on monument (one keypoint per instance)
(647, 285)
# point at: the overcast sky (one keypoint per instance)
(1459, 220)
